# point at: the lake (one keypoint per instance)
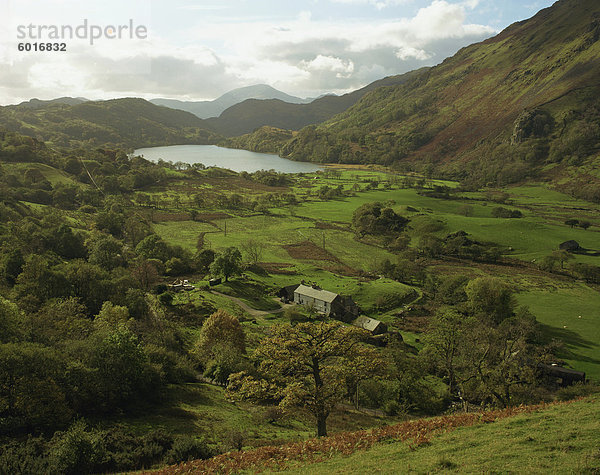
(233, 159)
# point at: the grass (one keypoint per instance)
(201, 409)
(326, 224)
(570, 315)
(558, 439)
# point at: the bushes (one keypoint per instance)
(82, 449)
(500, 212)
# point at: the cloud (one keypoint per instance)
(379, 4)
(300, 55)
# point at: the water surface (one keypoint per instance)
(233, 159)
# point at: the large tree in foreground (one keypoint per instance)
(302, 366)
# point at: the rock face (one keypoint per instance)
(532, 124)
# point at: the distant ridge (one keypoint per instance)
(251, 114)
(206, 109)
(127, 122)
(37, 103)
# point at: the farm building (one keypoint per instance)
(179, 285)
(321, 300)
(375, 327)
(561, 375)
(329, 303)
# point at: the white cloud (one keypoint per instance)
(301, 55)
(379, 4)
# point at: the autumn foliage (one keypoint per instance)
(415, 433)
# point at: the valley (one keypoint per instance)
(412, 274)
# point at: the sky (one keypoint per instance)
(198, 50)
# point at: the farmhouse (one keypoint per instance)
(321, 300)
(340, 307)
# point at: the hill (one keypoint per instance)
(515, 105)
(128, 122)
(37, 103)
(251, 114)
(558, 438)
(206, 109)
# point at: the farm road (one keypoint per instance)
(247, 308)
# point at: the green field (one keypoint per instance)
(559, 439)
(325, 224)
(571, 315)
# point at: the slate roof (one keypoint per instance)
(323, 295)
(367, 323)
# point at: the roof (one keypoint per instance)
(367, 323)
(318, 294)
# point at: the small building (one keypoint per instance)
(180, 285)
(375, 327)
(561, 375)
(315, 297)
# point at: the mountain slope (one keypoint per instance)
(559, 437)
(128, 122)
(497, 111)
(206, 109)
(37, 103)
(251, 114)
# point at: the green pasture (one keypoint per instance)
(558, 439)
(53, 175)
(571, 315)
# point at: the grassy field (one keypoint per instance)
(313, 241)
(571, 315)
(559, 439)
(201, 409)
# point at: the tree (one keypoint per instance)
(12, 266)
(302, 366)
(373, 218)
(489, 299)
(254, 250)
(10, 320)
(584, 224)
(444, 340)
(107, 252)
(572, 222)
(153, 247)
(227, 263)
(220, 328)
(498, 360)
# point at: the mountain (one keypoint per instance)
(206, 109)
(37, 103)
(127, 122)
(523, 103)
(251, 114)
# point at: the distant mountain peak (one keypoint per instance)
(206, 109)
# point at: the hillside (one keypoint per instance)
(206, 109)
(512, 106)
(251, 114)
(558, 438)
(37, 103)
(128, 122)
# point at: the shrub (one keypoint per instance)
(186, 448)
